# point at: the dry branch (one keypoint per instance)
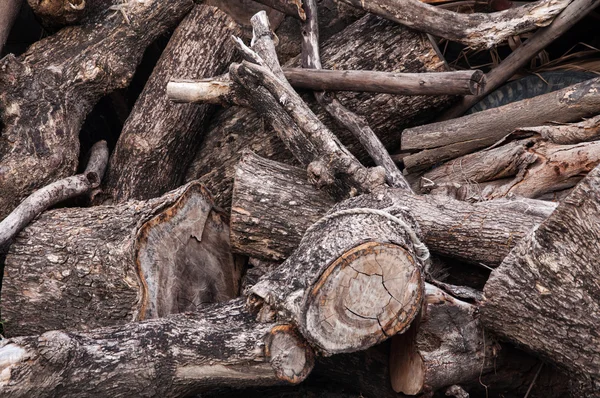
(46, 93)
(55, 193)
(162, 146)
(442, 141)
(83, 268)
(477, 30)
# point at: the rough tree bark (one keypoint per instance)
(442, 141)
(273, 205)
(83, 268)
(46, 93)
(370, 43)
(52, 13)
(174, 356)
(544, 296)
(162, 146)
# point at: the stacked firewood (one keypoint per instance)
(250, 234)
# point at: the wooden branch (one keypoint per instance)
(55, 193)
(176, 356)
(440, 83)
(447, 140)
(273, 206)
(46, 93)
(477, 30)
(53, 13)
(370, 43)
(572, 14)
(554, 269)
(9, 9)
(118, 264)
(153, 153)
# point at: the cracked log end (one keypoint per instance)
(183, 257)
(290, 356)
(365, 296)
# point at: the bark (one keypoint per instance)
(477, 30)
(46, 93)
(528, 168)
(153, 153)
(544, 295)
(168, 357)
(370, 43)
(83, 268)
(9, 9)
(442, 141)
(242, 10)
(55, 193)
(519, 58)
(58, 12)
(273, 206)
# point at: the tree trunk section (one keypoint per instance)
(544, 296)
(176, 356)
(368, 44)
(273, 205)
(83, 268)
(46, 93)
(153, 152)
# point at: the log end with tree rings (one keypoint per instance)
(183, 257)
(289, 355)
(365, 296)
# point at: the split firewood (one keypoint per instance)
(544, 296)
(440, 83)
(9, 9)
(273, 205)
(46, 93)
(175, 356)
(84, 268)
(477, 30)
(163, 146)
(568, 18)
(370, 43)
(55, 193)
(529, 167)
(442, 141)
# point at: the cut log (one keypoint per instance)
(9, 9)
(370, 43)
(153, 153)
(544, 296)
(442, 141)
(477, 30)
(83, 268)
(273, 205)
(52, 13)
(175, 356)
(46, 93)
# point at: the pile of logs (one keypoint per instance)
(249, 232)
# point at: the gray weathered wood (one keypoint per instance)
(83, 268)
(55, 193)
(46, 93)
(153, 152)
(544, 296)
(442, 141)
(175, 356)
(477, 30)
(370, 43)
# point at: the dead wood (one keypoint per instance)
(55, 193)
(174, 356)
(54, 13)
(46, 93)
(442, 141)
(371, 44)
(9, 9)
(273, 205)
(153, 152)
(84, 268)
(477, 30)
(544, 295)
(572, 14)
